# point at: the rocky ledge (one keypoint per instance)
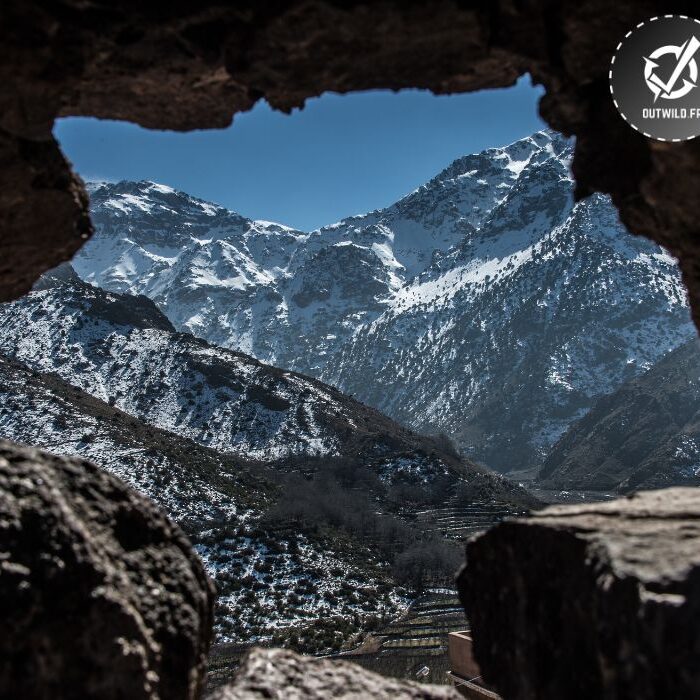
(278, 674)
(590, 601)
(101, 596)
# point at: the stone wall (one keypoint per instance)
(590, 601)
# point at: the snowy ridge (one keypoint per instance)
(123, 351)
(221, 399)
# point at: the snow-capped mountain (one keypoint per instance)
(487, 304)
(122, 350)
(286, 297)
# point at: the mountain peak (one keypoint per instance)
(145, 197)
(509, 160)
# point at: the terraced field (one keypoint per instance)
(459, 522)
(416, 641)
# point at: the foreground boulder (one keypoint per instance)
(590, 601)
(101, 596)
(279, 674)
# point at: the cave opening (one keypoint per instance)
(651, 185)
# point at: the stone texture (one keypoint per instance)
(279, 674)
(590, 601)
(101, 596)
(188, 65)
(43, 211)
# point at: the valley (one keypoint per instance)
(487, 305)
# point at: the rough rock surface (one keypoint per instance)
(104, 595)
(279, 674)
(192, 65)
(590, 601)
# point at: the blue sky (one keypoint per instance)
(340, 155)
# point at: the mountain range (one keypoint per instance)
(322, 411)
(487, 305)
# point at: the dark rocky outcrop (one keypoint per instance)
(43, 210)
(104, 596)
(644, 435)
(136, 311)
(279, 674)
(193, 65)
(590, 601)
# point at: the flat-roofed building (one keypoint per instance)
(464, 673)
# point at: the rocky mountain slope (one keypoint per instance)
(644, 435)
(235, 450)
(220, 502)
(122, 350)
(486, 304)
(514, 337)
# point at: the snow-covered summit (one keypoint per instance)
(288, 297)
